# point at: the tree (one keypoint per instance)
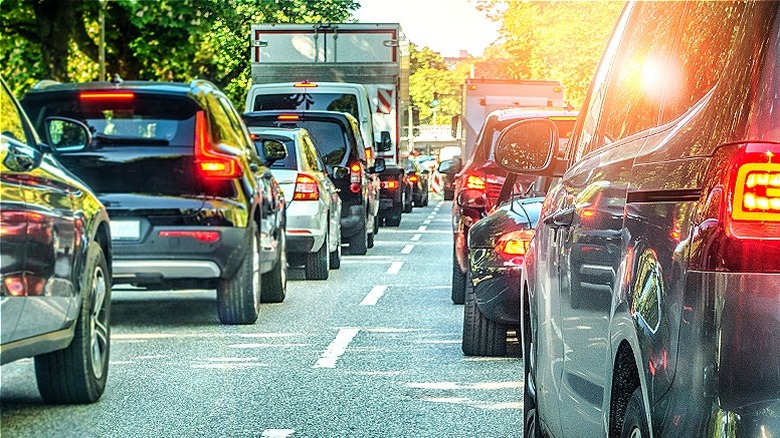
(175, 40)
(428, 75)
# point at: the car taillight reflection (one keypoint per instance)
(512, 246)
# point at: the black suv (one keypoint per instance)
(192, 204)
(337, 136)
(55, 280)
(651, 290)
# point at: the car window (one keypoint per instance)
(642, 71)
(11, 124)
(310, 153)
(703, 54)
(341, 102)
(222, 128)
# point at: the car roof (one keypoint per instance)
(530, 113)
(151, 86)
(310, 115)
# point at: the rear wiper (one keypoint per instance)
(103, 139)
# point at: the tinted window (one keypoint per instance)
(329, 136)
(288, 162)
(642, 70)
(345, 103)
(140, 121)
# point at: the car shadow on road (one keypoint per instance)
(169, 308)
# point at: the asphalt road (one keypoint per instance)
(372, 352)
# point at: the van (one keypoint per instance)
(651, 290)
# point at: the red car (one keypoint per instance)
(482, 173)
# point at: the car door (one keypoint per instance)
(320, 172)
(51, 238)
(593, 237)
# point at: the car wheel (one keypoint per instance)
(335, 258)
(238, 298)
(531, 420)
(358, 244)
(425, 200)
(635, 420)
(458, 282)
(317, 263)
(275, 280)
(393, 221)
(481, 336)
(449, 195)
(376, 224)
(77, 374)
(408, 204)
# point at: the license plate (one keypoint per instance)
(125, 230)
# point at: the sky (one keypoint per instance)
(446, 26)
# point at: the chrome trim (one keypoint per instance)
(166, 268)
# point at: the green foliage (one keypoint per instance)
(166, 40)
(429, 75)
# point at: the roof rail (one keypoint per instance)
(202, 82)
(40, 85)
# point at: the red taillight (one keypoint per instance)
(355, 177)
(306, 188)
(369, 153)
(755, 192)
(106, 95)
(212, 165)
(512, 246)
(305, 84)
(475, 182)
(202, 236)
(390, 185)
(413, 179)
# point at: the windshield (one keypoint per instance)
(341, 102)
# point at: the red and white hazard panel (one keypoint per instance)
(384, 100)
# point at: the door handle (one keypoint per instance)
(561, 218)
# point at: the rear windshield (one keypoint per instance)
(117, 122)
(344, 103)
(329, 136)
(288, 162)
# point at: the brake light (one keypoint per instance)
(106, 95)
(369, 153)
(390, 185)
(413, 179)
(355, 177)
(210, 164)
(305, 84)
(513, 246)
(475, 182)
(288, 117)
(201, 236)
(306, 188)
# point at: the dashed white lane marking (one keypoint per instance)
(422, 228)
(374, 296)
(395, 267)
(426, 221)
(407, 249)
(431, 216)
(416, 237)
(336, 348)
(277, 433)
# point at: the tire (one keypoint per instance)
(77, 374)
(370, 240)
(531, 421)
(358, 244)
(335, 258)
(408, 205)
(449, 195)
(275, 281)
(238, 298)
(481, 336)
(376, 224)
(635, 419)
(425, 199)
(317, 263)
(393, 221)
(458, 282)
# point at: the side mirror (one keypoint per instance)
(340, 172)
(472, 198)
(274, 150)
(385, 144)
(379, 165)
(527, 146)
(65, 135)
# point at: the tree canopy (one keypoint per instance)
(176, 40)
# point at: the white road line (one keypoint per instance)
(422, 228)
(407, 249)
(395, 267)
(336, 348)
(374, 296)
(431, 216)
(427, 222)
(277, 433)
(416, 237)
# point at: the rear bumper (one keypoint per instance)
(351, 220)
(307, 225)
(497, 292)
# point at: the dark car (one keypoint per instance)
(337, 136)
(192, 204)
(56, 259)
(395, 196)
(447, 170)
(483, 177)
(417, 178)
(651, 290)
(497, 246)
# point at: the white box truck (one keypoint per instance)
(481, 96)
(374, 55)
